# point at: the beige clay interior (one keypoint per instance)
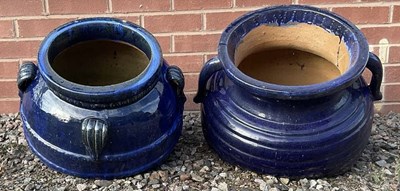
(100, 62)
(299, 54)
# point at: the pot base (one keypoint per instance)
(109, 166)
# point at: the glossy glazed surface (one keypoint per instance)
(316, 137)
(115, 134)
(296, 131)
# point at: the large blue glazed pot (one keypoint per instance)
(101, 131)
(309, 130)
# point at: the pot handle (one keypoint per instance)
(177, 80)
(375, 66)
(26, 74)
(210, 67)
(94, 136)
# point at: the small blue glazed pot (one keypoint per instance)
(296, 131)
(105, 131)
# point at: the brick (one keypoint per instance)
(39, 27)
(219, 21)
(189, 104)
(362, 15)
(375, 34)
(9, 89)
(326, 1)
(201, 4)
(19, 49)
(367, 75)
(132, 6)
(196, 43)
(9, 105)
(132, 19)
(394, 54)
(391, 74)
(77, 6)
(254, 3)
(165, 43)
(6, 29)
(173, 23)
(189, 63)
(191, 81)
(396, 14)
(389, 107)
(21, 7)
(9, 70)
(391, 92)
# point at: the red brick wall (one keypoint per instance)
(187, 30)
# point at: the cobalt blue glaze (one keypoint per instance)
(101, 131)
(296, 131)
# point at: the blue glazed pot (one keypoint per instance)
(105, 131)
(297, 131)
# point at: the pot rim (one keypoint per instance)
(77, 93)
(265, 89)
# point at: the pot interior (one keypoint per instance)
(100, 62)
(294, 55)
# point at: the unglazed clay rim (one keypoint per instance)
(262, 88)
(106, 93)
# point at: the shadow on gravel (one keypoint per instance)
(194, 166)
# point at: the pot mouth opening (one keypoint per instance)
(277, 52)
(292, 55)
(98, 62)
(91, 60)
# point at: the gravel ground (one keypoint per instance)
(194, 166)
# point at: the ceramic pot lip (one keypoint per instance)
(270, 90)
(109, 93)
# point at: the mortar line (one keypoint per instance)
(390, 83)
(233, 3)
(141, 18)
(378, 25)
(10, 99)
(389, 103)
(109, 6)
(204, 21)
(8, 80)
(391, 65)
(191, 92)
(9, 60)
(188, 53)
(172, 3)
(189, 33)
(45, 6)
(16, 28)
(391, 12)
(191, 73)
(390, 45)
(21, 39)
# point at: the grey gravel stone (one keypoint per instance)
(284, 180)
(381, 163)
(223, 186)
(102, 183)
(81, 187)
(313, 183)
(194, 166)
(184, 177)
(197, 178)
